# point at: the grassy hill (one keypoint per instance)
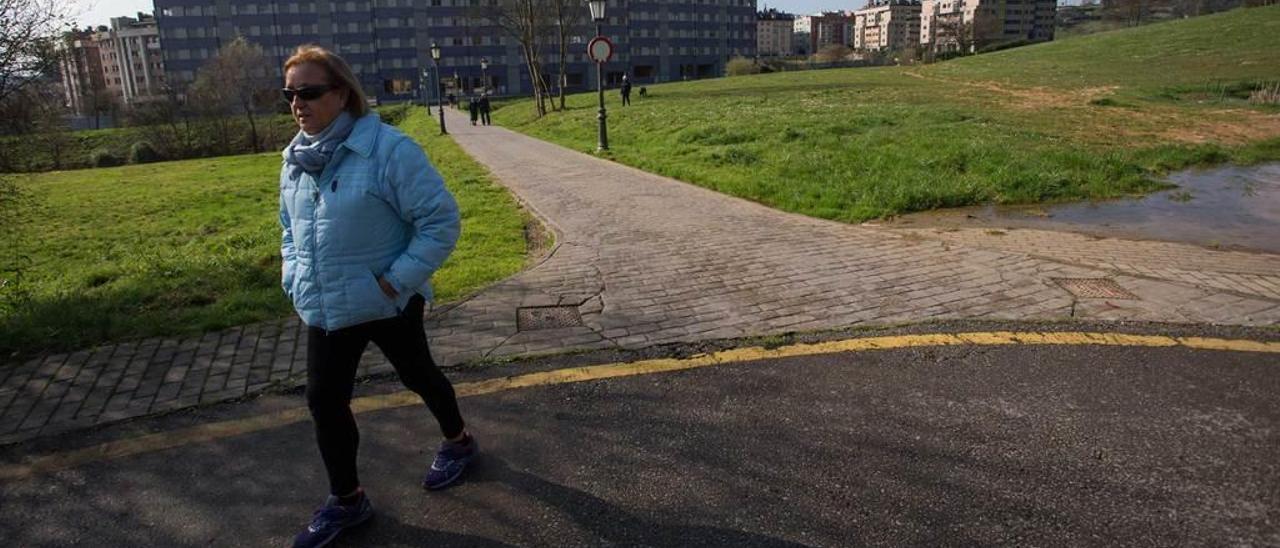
(183, 247)
(1090, 117)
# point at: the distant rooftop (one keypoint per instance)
(141, 21)
(880, 3)
(772, 14)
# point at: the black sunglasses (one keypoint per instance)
(308, 93)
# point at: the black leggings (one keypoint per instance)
(332, 358)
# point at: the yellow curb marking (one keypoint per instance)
(225, 429)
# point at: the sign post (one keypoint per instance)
(600, 50)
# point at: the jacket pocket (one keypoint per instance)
(366, 300)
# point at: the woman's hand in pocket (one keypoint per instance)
(388, 289)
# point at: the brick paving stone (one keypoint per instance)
(650, 260)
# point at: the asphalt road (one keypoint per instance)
(964, 446)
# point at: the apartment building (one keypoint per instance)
(832, 27)
(80, 66)
(775, 31)
(967, 25)
(387, 41)
(887, 25)
(802, 35)
(129, 53)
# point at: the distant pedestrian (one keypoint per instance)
(484, 109)
(643, 92)
(473, 106)
(626, 91)
(366, 220)
(453, 100)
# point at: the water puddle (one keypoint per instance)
(1227, 207)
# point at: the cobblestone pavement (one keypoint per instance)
(642, 260)
(1250, 274)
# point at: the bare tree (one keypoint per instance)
(528, 22)
(99, 101)
(1130, 12)
(28, 40)
(52, 134)
(570, 18)
(211, 102)
(168, 124)
(239, 79)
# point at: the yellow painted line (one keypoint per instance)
(226, 429)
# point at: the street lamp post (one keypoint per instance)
(435, 59)
(484, 72)
(597, 14)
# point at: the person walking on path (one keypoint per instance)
(473, 105)
(366, 221)
(626, 91)
(484, 109)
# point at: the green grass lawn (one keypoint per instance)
(1090, 117)
(32, 153)
(183, 247)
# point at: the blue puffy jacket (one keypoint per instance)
(378, 209)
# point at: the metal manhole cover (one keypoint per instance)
(1095, 288)
(547, 317)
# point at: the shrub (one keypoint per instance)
(104, 158)
(831, 53)
(1004, 45)
(393, 114)
(143, 153)
(741, 66)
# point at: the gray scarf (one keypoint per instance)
(311, 152)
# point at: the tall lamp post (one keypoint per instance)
(484, 72)
(435, 59)
(597, 14)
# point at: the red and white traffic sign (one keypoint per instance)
(600, 49)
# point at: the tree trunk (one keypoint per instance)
(564, 74)
(253, 130)
(562, 35)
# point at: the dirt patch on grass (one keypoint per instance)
(1030, 98)
(1248, 127)
(1038, 97)
(1142, 123)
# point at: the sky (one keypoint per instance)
(100, 12)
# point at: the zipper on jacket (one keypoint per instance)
(315, 211)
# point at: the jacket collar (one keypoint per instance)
(363, 134)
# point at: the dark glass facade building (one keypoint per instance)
(387, 41)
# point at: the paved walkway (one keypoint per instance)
(642, 260)
(1250, 274)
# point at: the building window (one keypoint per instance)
(398, 86)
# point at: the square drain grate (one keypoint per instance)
(1095, 288)
(547, 317)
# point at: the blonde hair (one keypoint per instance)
(340, 74)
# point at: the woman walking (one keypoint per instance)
(366, 221)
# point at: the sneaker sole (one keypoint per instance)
(451, 479)
(335, 534)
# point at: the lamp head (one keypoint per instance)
(597, 9)
(435, 51)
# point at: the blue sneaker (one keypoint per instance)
(332, 519)
(449, 463)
